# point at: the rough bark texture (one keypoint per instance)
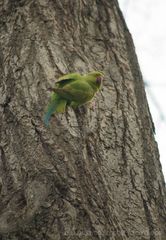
(92, 174)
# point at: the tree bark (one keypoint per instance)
(93, 174)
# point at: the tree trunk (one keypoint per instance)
(93, 174)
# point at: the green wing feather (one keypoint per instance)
(67, 79)
(78, 91)
(70, 76)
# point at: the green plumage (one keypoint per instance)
(73, 90)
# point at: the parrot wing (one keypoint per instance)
(67, 79)
(78, 91)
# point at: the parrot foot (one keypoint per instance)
(51, 89)
(93, 105)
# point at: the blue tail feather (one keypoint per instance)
(51, 109)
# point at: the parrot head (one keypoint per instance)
(98, 77)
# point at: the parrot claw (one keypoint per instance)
(93, 106)
(51, 89)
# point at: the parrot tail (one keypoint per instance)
(56, 104)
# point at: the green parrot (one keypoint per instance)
(73, 90)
